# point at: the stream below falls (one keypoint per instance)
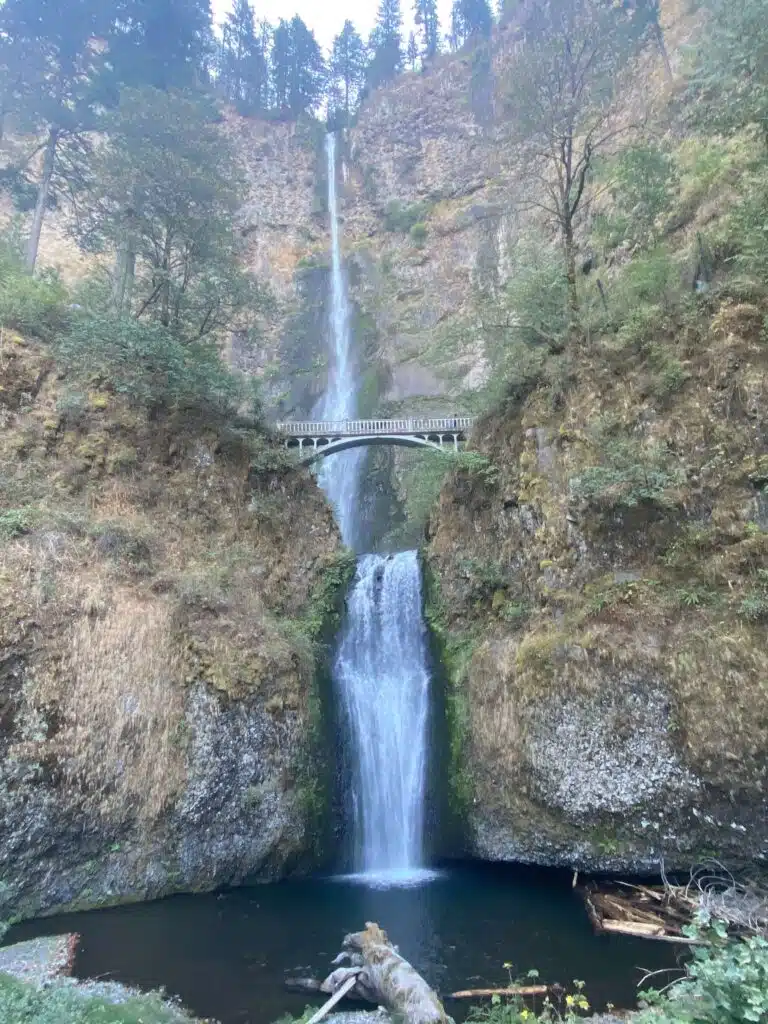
(226, 955)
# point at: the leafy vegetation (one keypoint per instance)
(30, 304)
(642, 182)
(150, 365)
(726, 982)
(21, 1003)
(399, 218)
(629, 474)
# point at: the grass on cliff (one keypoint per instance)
(21, 1003)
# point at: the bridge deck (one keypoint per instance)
(367, 428)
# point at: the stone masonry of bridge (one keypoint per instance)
(315, 440)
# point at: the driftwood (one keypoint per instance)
(378, 974)
(329, 1004)
(661, 912)
(514, 990)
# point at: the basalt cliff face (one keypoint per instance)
(162, 586)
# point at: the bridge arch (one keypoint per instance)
(325, 447)
(315, 440)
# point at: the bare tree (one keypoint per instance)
(562, 92)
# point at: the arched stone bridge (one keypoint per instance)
(314, 440)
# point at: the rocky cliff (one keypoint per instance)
(598, 575)
(163, 585)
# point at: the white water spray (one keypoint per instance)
(380, 671)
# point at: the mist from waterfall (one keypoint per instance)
(380, 670)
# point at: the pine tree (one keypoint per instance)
(298, 69)
(470, 20)
(426, 19)
(242, 64)
(172, 231)
(412, 52)
(164, 43)
(347, 70)
(386, 44)
(55, 93)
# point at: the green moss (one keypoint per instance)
(322, 616)
(455, 650)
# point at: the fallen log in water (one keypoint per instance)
(378, 975)
(514, 990)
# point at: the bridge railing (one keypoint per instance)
(413, 425)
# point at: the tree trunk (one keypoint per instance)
(43, 190)
(658, 32)
(125, 266)
(165, 307)
(384, 977)
(570, 274)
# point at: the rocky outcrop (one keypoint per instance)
(162, 587)
(605, 648)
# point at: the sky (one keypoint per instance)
(326, 17)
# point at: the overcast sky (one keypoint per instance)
(326, 17)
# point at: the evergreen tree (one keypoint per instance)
(470, 20)
(298, 69)
(386, 44)
(347, 70)
(243, 70)
(426, 19)
(412, 52)
(55, 92)
(173, 231)
(164, 43)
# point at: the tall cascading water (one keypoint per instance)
(383, 681)
(340, 474)
(380, 670)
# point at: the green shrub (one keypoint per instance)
(646, 300)
(749, 229)
(14, 522)
(34, 305)
(629, 474)
(754, 607)
(63, 1003)
(537, 296)
(400, 218)
(725, 983)
(644, 179)
(418, 234)
(149, 364)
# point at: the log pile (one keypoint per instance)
(662, 912)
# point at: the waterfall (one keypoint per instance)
(380, 670)
(383, 682)
(340, 474)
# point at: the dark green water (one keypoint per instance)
(226, 955)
